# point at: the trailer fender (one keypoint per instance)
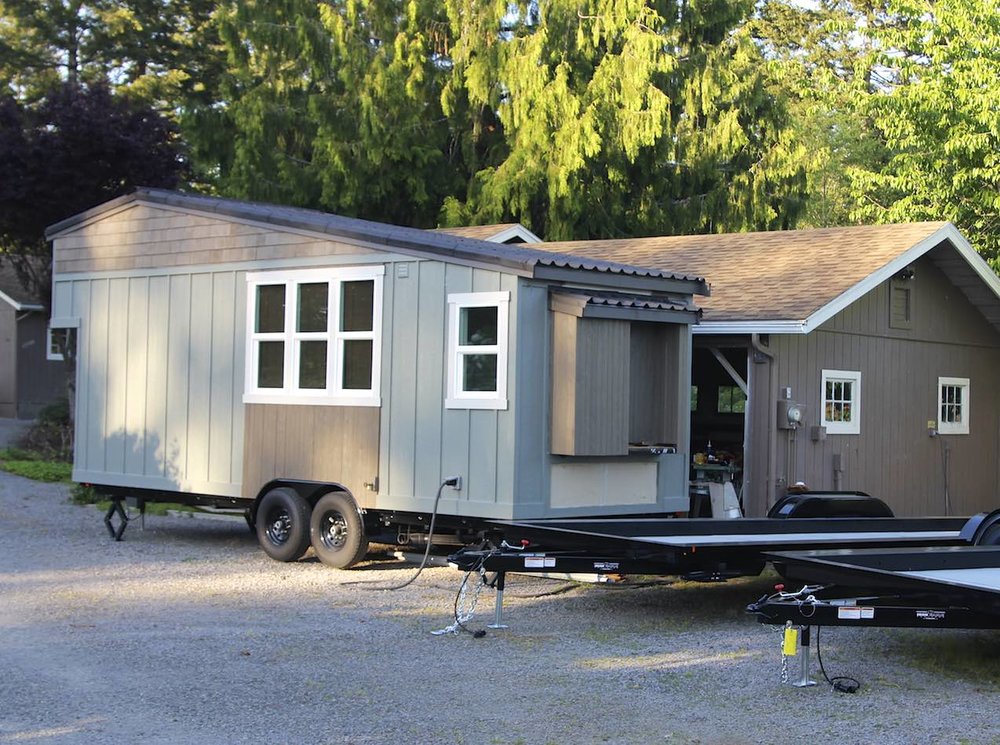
(829, 504)
(982, 529)
(311, 491)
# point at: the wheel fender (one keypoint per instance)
(311, 491)
(977, 526)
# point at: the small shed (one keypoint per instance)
(32, 374)
(859, 358)
(222, 345)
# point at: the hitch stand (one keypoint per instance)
(804, 681)
(116, 510)
(498, 612)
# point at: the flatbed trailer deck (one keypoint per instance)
(698, 547)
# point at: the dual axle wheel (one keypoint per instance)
(287, 525)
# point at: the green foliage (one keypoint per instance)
(894, 104)
(51, 435)
(625, 118)
(331, 106)
(938, 114)
(162, 52)
(595, 120)
(84, 494)
(33, 466)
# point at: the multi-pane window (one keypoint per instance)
(312, 336)
(731, 400)
(841, 403)
(953, 406)
(477, 350)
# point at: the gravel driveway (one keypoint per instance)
(187, 633)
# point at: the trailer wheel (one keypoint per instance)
(283, 524)
(337, 531)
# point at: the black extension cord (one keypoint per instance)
(839, 683)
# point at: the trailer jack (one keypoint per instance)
(116, 509)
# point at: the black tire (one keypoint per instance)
(283, 524)
(337, 531)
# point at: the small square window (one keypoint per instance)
(841, 402)
(58, 341)
(953, 406)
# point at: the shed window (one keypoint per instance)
(58, 341)
(953, 406)
(312, 336)
(477, 350)
(841, 404)
(731, 400)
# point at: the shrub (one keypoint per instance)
(84, 494)
(51, 436)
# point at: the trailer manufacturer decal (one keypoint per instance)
(931, 615)
(606, 566)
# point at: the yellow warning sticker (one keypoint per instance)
(791, 642)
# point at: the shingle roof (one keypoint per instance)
(480, 232)
(779, 276)
(13, 293)
(516, 257)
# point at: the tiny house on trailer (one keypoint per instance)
(335, 375)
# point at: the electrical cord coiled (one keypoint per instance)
(839, 683)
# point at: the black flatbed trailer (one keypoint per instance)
(929, 587)
(701, 548)
(956, 587)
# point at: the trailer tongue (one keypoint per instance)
(943, 587)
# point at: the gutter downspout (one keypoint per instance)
(772, 432)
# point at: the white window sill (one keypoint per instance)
(491, 404)
(307, 400)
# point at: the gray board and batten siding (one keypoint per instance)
(894, 456)
(157, 285)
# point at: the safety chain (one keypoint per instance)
(463, 617)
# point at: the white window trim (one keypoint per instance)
(954, 428)
(456, 397)
(58, 324)
(852, 427)
(290, 393)
(50, 355)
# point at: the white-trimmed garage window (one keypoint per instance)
(841, 404)
(59, 340)
(953, 406)
(477, 350)
(313, 336)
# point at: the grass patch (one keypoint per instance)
(968, 655)
(33, 466)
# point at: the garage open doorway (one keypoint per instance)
(719, 406)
